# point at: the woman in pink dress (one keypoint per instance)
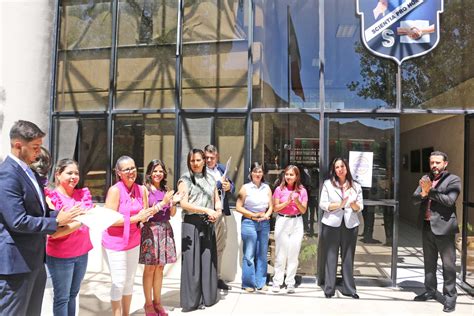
(122, 240)
(67, 249)
(157, 246)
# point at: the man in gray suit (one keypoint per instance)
(437, 194)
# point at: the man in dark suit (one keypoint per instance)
(25, 219)
(224, 187)
(436, 195)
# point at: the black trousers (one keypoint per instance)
(199, 263)
(333, 239)
(22, 294)
(444, 245)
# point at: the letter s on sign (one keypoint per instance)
(389, 40)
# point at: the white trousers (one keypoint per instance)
(288, 236)
(123, 266)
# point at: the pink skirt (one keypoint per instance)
(157, 245)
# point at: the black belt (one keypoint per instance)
(290, 216)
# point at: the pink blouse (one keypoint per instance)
(78, 242)
(127, 236)
(284, 194)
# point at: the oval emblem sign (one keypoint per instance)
(400, 29)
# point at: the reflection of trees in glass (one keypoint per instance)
(376, 77)
(426, 77)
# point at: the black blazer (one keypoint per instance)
(23, 224)
(443, 204)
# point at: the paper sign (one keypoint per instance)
(361, 164)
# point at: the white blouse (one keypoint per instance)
(257, 199)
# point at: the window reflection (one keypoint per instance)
(215, 58)
(145, 138)
(354, 78)
(286, 54)
(443, 78)
(85, 140)
(146, 55)
(84, 55)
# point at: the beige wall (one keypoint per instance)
(446, 135)
(25, 64)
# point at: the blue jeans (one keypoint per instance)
(67, 275)
(255, 245)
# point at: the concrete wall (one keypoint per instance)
(26, 45)
(445, 135)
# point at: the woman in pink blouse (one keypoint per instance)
(290, 200)
(122, 240)
(67, 249)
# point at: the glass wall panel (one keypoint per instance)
(146, 54)
(286, 54)
(376, 137)
(230, 140)
(145, 138)
(353, 77)
(283, 139)
(444, 79)
(227, 133)
(84, 140)
(215, 55)
(84, 55)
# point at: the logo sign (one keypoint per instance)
(400, 29)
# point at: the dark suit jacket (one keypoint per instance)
(225, 206)
(443, 204)
(23, 224)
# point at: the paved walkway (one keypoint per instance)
(376, 296)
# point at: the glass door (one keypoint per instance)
(467, 240)
(282, 139)
(373, 141)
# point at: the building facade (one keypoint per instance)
(279, 82)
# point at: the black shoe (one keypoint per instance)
(223, 286)
(425, 297)
(370, 241)
(328, 295)
(353, 295)
(448, 308)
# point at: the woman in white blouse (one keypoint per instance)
(341, 200)
(255, 205)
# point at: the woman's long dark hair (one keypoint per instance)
(298, 185)
(332, 172)
(149, 170)
(190, 155)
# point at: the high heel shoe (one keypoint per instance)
(159, 309)
(149, 308)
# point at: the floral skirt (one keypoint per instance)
(157, 246)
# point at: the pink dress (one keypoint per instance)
(125, 237)
(77, 243)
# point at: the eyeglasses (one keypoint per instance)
(129, 170)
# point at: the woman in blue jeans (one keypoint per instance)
(255, 205)
(67, 249)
